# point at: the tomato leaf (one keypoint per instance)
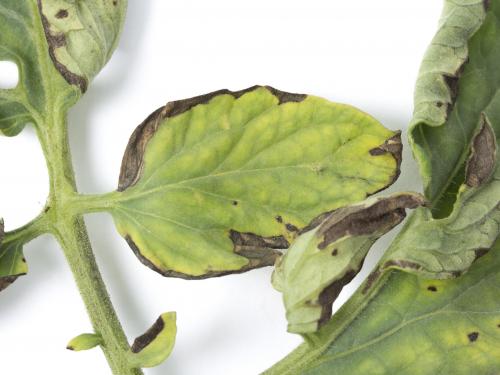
(220, 183)
(58, 46)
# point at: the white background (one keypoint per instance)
(362, 52)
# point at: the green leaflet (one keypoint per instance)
(154, 347)
(324, 259)
(442, 248)
(400, 323)
(459, 79)
(215, 184)
(85, 341)
(435, 91)
(82, 35)
(413, 327)
(56, 55)
(12, 262)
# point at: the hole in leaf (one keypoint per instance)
(9, 75)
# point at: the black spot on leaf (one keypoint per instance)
(432, 288)
(473, 336)
(63, 13)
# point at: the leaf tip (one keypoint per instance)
(156, 344)
(85, 341)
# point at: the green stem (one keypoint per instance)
(72, 236)
(30, 231)
(70, 230)
(84, 204)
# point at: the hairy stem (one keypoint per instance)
(72, 236)
(38, 226)
(69, 228)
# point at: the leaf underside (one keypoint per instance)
(404, 323)
(459, 80)
(218, 183)
(322, 260)
(442, 248)
(58, 46)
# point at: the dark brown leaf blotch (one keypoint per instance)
(144, 340)
(260, 251)
(481, 163)
(358, 220)
(286, 97)
(330, 294)
(55, 41)
(6, 281)
(63, 13)
(132, 162)
(393, 146)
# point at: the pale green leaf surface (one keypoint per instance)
(211, 185)
(89, 30)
